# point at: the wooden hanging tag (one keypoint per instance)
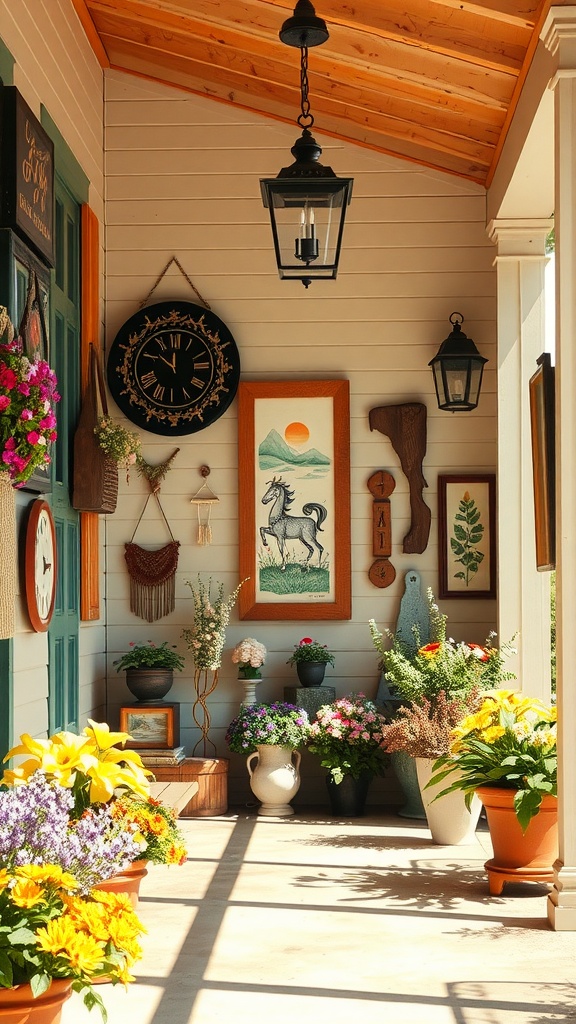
(381, 484)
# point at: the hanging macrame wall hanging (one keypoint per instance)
(152, 573)
(204, 499)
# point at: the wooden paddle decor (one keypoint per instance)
(381, 484)
(405, 425)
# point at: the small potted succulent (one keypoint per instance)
(150, 669)
(310, 658)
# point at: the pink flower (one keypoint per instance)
(26, 414)
(47, 421)
(8, 378)
(4, 403)
(306, 640)
(34, 437)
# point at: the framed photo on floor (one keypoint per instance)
(294, 499)
(467, 536)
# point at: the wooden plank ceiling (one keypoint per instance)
(434, 81)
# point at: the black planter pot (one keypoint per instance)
(348, 798)
(149, 684)
(311, 673)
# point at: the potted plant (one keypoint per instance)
(150, 669)
(156, 825)
(506, 753)
(249, 655)
(423, 732)
(270, 735)
(58, 933)
(347, 736)
(310, 658)
(414, 673)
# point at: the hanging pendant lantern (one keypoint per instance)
(307, 201)
(457, 368)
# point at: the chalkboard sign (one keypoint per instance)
(26, 174)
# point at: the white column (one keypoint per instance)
(559, 36)
(523, 592)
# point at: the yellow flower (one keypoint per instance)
(27, 894)
(106, 777)
(49, 874)
(492, 733)
(4, 879)
(29, 745)
(101, 737)
(57, 935)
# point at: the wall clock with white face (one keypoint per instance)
(173, 368)
(40, 565)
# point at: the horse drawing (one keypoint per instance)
(284, 527)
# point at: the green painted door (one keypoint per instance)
(63, 634)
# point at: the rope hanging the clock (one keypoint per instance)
(152, 573)
(173, 259)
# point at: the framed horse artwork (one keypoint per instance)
(294, 499)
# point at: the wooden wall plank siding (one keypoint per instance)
(415, 249)
(55, 67)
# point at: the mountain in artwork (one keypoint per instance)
(274, 453)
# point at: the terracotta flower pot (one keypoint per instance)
(127, 881)
(519, 856)
(18, 1005)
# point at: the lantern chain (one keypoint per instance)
(305, 118)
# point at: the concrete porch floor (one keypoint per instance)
(316, 919)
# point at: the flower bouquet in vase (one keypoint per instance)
(249, 655)
(270, 734)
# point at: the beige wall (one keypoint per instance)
(182, 178)
(55, 68)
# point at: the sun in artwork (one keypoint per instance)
(296, 434)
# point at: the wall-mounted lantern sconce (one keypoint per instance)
(307, 202)
(457, 369)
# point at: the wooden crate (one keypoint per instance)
(211, 774)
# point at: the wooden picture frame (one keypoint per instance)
(542, 401)
(467, 536)
(151, 726)
(294, 499)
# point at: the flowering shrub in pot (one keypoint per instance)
(310, 650)
(347, 736)
(53, 925)
(249, 655)
(122, 445)
(510, 743)
(28, 395)
(455, 668)
(278, 724)
(91, 765)
(156, 826)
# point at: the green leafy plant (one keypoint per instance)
(442, 665)
(509, 742)
(347, 736)
(468, 533)
(150, 655)
(310, 650)
(279, 723)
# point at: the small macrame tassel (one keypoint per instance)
(204, 528)
(153, 603)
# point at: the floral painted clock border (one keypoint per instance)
(467, 536)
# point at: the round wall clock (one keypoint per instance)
(40, 565)
(173, 368)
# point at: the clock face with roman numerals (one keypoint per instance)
(173, 368)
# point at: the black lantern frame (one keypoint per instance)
(457, 368)
(307, 201)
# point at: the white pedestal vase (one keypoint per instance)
(249, 687)
(274, 778)
(449, 820)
